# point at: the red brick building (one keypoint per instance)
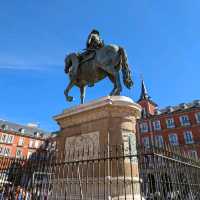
(20, 141)
(175, 125)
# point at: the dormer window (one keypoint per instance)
(36, 134)
(157, 112)
(21, 130)
(41, 134)
(4, 127)
(170, 109)
(184, 119)
(183, 105)
(197, 103)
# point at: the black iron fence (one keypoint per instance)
(169, 173)
(110, 172)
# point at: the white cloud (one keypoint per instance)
(29, 67)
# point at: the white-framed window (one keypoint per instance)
(29, 154)
(1, 150)
(31, 142)
(197, 115)
(158, 139)
(188, 137)
(144, 127)
(193, 154)
(170, 123)
(144, 113)
(6, 151)
(173, 139)
(19, 153)
(156, 125)
(145, 142)
(43, 144)
(5, 138)
(21, 141)
(184, 119)
(10, 139)
(37, 143)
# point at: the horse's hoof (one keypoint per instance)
(69, 98)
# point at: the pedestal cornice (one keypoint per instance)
(110, 106)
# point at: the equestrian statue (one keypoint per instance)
(97, 62)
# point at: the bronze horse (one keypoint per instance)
(107, 62)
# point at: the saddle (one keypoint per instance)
(85, 56)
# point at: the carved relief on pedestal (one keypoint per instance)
(84, 146)
(129, 140)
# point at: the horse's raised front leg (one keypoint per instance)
(66, 92)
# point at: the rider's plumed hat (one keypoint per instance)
(94, 31)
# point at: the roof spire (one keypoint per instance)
(144, 93)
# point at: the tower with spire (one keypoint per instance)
(148, 106)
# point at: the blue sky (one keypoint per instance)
(162, 40)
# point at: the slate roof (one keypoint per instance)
(179, 108)
(27, 130)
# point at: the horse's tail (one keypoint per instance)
(66, 65)
(71, 63)
(125, 68)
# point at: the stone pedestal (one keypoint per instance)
(103, 125)
(104, 121)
